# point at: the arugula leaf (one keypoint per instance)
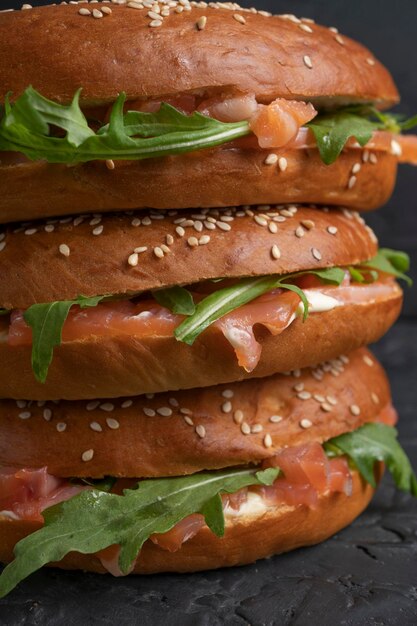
(46, 322)
(176, 299)
(223, 301)
(4, 311)
(371, 443)
(94, 520)
(391, 262)
(26, 127)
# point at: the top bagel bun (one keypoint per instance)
(238, 49)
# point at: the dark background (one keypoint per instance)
(367, 574)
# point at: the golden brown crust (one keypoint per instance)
(246, 539)
(126, 365)
(185, 432)
(265, 56)
(221, 177)
(34, 270)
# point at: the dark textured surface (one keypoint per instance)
(367, 574)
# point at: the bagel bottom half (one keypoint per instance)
(248, 537)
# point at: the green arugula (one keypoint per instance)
(94, 520)
(371, 443)
(26, 127)
(223, 301)
(46, 322)
(177, 299)
(391, 262)
(333, 130)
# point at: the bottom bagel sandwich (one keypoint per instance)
(196, 479)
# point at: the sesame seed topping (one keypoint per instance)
(282, 164)
(149, 412)
(354, 409)
(307, 62)
(201, 23)
(64, 249)
(375, 398)
(305, 28)
(238, 416)
(184, 411)
(180, 231)
(61, 427)
(97, 14)
(267, 441)
(169, 239)
(273, 228)
(356, 168)
(223, 226)
(299, 231)
(201, 431)
(373, 158)
(96, 427)
(239, 18)
(126, 404)
(47, 414)
(2, 245)
(187, 419)
(112, 423)
(227, 406)
(257, 428)
(106, 11)
(318, 397)
(98, 230)
(30, 231)
(275, 252)
(165, 411)
(192, 242)
(309, 224)
(305, 423)
(135, 5)
(261, 221)
(332, 230)
(275, 419)
(155, 23)
(326, 407)
(21, 404)
(141, 249)
(396, 149)
(304, 395)
(133, 259)
(25, 415)
(84, 11)
(352, 182)
(271, 159)
(245, 428)
(87, 455)
(367, 359)
(370, 61)
(107, 406)
(340, 40)
(92, 405)
(298, 387)
(331, 400)
(316, 254)
(158, 252)
(205, 239)
(228, 393)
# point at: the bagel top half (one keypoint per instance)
(130, 49)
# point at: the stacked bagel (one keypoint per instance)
(195, 318)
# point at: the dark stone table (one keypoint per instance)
(365, 575)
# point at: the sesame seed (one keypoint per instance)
(356, 168)
(158, 252)
(227, 407)
(112, 423)
(64, 249)
(316, 254)
(165, 248)
(354, 409)
(396, 149)
(107, 11)
(340, 40)
(375, 398)
(370, 61)
(260, 220)
(141, 249)
(331, 400)
(96, 427)
(149, 412)
(205, 239)
(136, 222)
(61, 427)
(282, 164)
(201, 431)
(2, 246)
(192, 242)
(304, 395)
(98, 230)
(268, 441)
(87, 455)
(299, 231)
(135, 5)
(25, 415)
(305, 423)
(245, 428)
(367, 359)
(107, 406)
(223, 226)
(133, 259)
(305, 28)
(25, 7)
(352, 182)
(257, 428)
(97, 14)
(271, 159)
(307, 61)
(47, 414)
(31, 231)
(365, 156)
(180, 231)
(326, 407)
(309, 224)
(298, 387)
(165, 411)
(332, 230)
(228, 393)
(239, 18)
(126, 404)
(153, 15)
(373, 158)
(275, 419)
(187, 419)
(92, 405)
(84, 12)
(186, 411)
(201, 23)
(275, 252)
(155, 23)
(318, 397)
(238, 416)
(169, 239)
